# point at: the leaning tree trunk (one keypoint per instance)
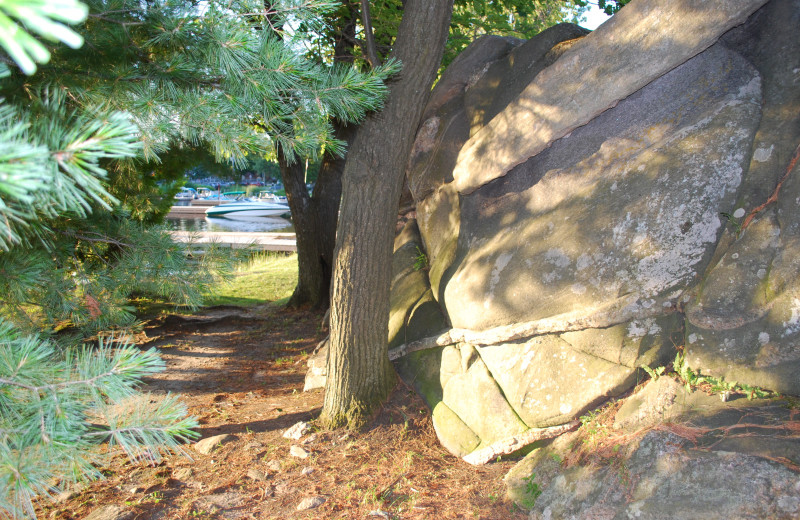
(359, 372)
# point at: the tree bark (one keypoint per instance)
(360, 375)
(372, 52)
(310, 278)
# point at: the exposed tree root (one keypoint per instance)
(774, 197)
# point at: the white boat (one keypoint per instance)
(271, 197)
(248, 224)
(186, 194)
(203, 193)
(247, 208)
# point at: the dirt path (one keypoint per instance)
(240, 372)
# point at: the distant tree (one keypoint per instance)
(609, 7)
(316, 214)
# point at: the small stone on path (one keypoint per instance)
(296, 431)
(297, 451)
(308, 470)
(223, 500)
(285, 488)
(182, 473)
(69, 493)
(209, 444)
(256, 475)
(310, 503)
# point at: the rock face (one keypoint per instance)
(581, 216)
(717, 467)
(743, 321)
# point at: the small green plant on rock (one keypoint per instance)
(532, 491)
(592, 426)
(421, 260)
(734, 222)
(715, 385)
(754, 392)
(654, 373)
(689, 377)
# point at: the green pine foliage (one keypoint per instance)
(42, 17)
(213, 74)
(57, 405)
(91, 149)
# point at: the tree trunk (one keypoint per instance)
(315, 221)
(310, 281)
(359, 372)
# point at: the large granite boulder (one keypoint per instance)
(466, 95)
(607, 211)
(413, 312)
(562, 265)
(445, 128)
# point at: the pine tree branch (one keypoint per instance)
(102, 239)
(59, 386)
(104, 17)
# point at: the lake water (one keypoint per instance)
(240, 224)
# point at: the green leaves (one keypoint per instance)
(716, 385)
(229, 76)
(41, 17)
(532, 491)
(55, 407)
(609, 7)
(734, 222)
(654, 373)
(50, 162)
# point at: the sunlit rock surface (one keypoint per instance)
(632, 49)
(629, 203)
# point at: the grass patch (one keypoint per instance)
(264, 277)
